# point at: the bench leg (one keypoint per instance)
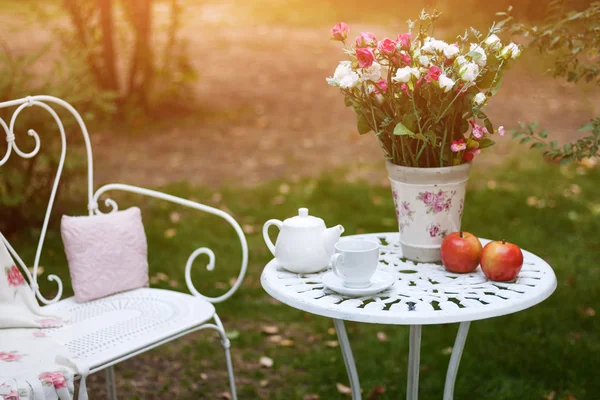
(226, 345)
(111, 387)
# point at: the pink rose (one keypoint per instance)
(339, 32)
(501, 131)
(366, 39)
(433, 74)
(14, 276)
(404, 88)
(387, 46)
(12, 356)
(381, 86)
(405, 58)
(53, 378)
(365, 57)
(404, 40)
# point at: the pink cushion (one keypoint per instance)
(107, 254)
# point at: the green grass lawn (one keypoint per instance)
(551, 351)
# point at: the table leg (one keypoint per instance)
(348, 358)
(459, 345)
(414, 363)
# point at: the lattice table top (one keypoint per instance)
(423, 293)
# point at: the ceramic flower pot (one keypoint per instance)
(429, 205)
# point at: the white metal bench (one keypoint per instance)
(107, 331)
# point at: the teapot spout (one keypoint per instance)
(330, 237)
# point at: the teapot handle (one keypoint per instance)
(268, 241)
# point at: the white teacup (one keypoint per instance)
(355, 262)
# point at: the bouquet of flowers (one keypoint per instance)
(423, 97)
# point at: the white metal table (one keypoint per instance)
(423, 294)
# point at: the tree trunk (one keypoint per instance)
(142, 64)
(108, 49)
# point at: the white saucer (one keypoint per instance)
(379, 282)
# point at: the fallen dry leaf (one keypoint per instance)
(376, 200)
(220, 285)
(311, 397)
(169, 233)
(447, 351)
(376, 392)
(216, 198)
(343, 389)
(203, 376)
(275, 338)
(225, 395)
(266, 362)
(331, 331)
(551, 395)
(278, 200)
(263, 383)
(270, 329)
(286, 343)
(175, 217)
(382, 337)
(331, 343)
(247, 228)
(589, 312)
(284, 188)
(571, 397)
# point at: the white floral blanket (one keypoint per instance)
(32, 365)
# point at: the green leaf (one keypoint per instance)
(538, 145)
(488, 125)
(347, 102)
(485, 142)
(232, 335)
(363, 125)
(401, 130)
(517, 135)
(543, 133)
(587, 127)
(410, 121)
(526, 140)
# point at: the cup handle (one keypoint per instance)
(335, 260)
(268, 241)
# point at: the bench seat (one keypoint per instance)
(105, 331)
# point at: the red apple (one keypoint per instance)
(501, 261)
(461, 252)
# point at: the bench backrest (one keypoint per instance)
(12, 147)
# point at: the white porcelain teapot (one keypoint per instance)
(304, 244)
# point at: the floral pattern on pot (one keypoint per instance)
(10, 356)
(435, 230)
(405, 215)
(14, 276)
(437, 202)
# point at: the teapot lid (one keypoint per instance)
(303, 220)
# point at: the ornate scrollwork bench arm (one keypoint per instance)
(191, 204)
